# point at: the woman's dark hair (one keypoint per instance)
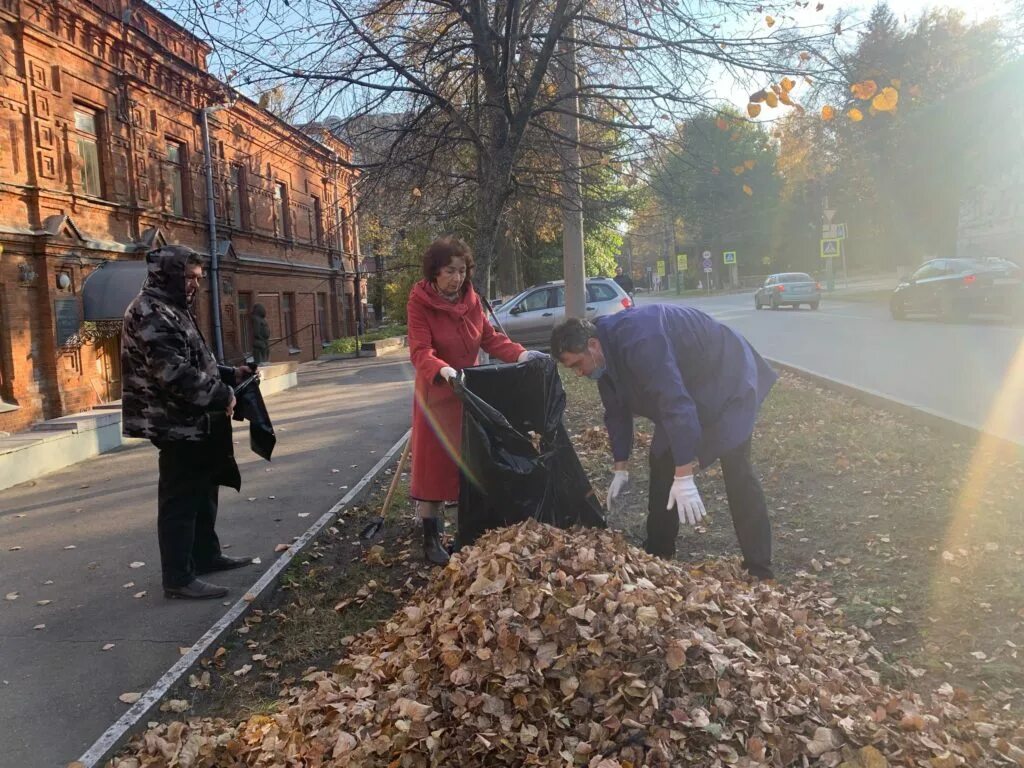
(440, 253)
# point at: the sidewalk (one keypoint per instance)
(72, 537)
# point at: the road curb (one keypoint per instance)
(926, 417)
(116, 735)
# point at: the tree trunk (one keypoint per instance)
(492, 194)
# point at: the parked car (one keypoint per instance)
(789, 289)
(529, 317)
(954, 289)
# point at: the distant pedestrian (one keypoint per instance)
(625, 281)
(176, 395)
(447, 330)
(701, 384)
(260, 334)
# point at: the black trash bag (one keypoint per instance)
(249, 406)
(505, 479)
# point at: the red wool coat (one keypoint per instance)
(442, 333)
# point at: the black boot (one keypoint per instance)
(433, 552)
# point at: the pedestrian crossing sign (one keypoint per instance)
(829, 248)
(729, 257)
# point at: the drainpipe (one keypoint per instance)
(211, 221)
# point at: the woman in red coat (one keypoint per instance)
(447, 330)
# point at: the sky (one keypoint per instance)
(906, 11)
(976, 10)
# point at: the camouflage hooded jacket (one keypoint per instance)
(170, 379)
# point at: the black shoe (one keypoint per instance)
(197, 589)
(224, 563)
(433, 551)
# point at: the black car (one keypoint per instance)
(954, 289)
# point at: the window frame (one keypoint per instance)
(322, 312)
(238, 197)
(244, 320)
(176, 171)
(288, 318)
(939, 265)
(282, 223)
(521, 304)
(94, 138)
(6, 388)
(592, 289)
(318, 221)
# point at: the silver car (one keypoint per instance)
(529, 317)
(788, 288)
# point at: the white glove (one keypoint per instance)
(686, 499)
(620, 480)
(530, 354)
(448, 373)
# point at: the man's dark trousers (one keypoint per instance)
(747, 505)
(187, 509)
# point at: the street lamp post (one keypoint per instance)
(211, 222)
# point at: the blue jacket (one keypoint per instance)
(700, 382)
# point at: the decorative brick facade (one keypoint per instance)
(101, 158)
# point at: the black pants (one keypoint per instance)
(747, 505)
(187, 509)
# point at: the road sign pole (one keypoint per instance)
(830, 275)
(842, 252)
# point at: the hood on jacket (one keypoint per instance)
(166, 278)
(424, 293)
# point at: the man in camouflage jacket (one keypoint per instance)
(175, 394)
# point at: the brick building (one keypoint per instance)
(102, 158)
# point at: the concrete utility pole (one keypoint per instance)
(572, 183)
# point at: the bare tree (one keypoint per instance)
(474, 83)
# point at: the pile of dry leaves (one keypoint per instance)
(569, 648)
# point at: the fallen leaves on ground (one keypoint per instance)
(547, 647)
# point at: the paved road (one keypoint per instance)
(58, 689)
(957, 370)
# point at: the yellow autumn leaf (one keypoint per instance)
(747, 190)
(827, 112)
(749, 164)
(864, 90)
(738, 170)
(855, 115)
(887, 100)
(770, 21)
(771, 100)
(787, 84)
(753, 109)
(784, 98)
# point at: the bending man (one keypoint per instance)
(702, 385)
